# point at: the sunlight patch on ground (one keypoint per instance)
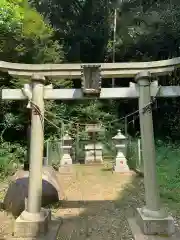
(90, 211)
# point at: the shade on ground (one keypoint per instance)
(93, 208)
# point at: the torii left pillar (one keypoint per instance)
(34, 221)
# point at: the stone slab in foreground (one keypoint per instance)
(52, 233)
(17, 193)
(139, 235)
(65, 170)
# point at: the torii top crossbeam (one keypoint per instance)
(108, 70)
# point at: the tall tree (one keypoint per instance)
(25, 37)
(83, 26)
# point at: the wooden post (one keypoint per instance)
(126, 127)
(27, 161)
(77, 143)
(139, 155)
(36, 147)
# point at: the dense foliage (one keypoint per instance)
(146, 30)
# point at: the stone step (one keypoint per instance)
(66, 170)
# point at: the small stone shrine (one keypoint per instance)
(93, 149)
(121, 146)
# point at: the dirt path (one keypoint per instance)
(6, 221)
(92, 210)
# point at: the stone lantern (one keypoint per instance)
(66, 148)
(120, 142)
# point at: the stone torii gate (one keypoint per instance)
(152, 218)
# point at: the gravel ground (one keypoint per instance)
(6, 220)
(97, 204)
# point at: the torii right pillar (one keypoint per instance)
(152, 218)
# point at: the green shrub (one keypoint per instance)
(11, 156)
(168, 170)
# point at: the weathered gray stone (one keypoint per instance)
(17, 193)
(66, 157)
(139, 235)
(51, 234)
(155, 226)
(93, 153)
(32, 225)
(67, 145)
(66, 170)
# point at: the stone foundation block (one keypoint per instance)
(139, 235)
(65, 170)
(17, 194)
(29, 225)
(155, 226)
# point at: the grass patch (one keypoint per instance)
(11, 156)
(168, 171)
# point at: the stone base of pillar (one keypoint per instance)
(139, 235)
(155, 226)
(121, 164)
(65, 170)
(33, 225)
(66, 159)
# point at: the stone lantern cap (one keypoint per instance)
(67, 141)
(93, 128)
(119, 136)
(67, 137)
